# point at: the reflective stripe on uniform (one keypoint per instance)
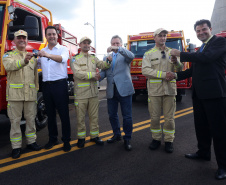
(16, 85)
(173, 80)
(81, 133)
(6, 97)
(168, 131)
(83, 84)
(30, 135)
(8, 105)
(155, 80)
(149, 100)
(159, 74)
(94, 133)
(89, 74)
(74, 95)
(16, 139)
(156, 130)
(18, 64)
(32, 85)
(76, 103)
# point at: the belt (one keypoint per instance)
(52, 82)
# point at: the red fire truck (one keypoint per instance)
(15, 15)
(139, 44)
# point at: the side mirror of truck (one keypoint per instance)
(11, 9)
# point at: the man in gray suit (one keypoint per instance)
(119, 90)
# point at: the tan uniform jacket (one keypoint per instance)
(22, 79)
(84, 70)
(154, 67)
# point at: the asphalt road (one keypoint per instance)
(111, 164)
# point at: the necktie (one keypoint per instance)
(113, 61)
(202, 46)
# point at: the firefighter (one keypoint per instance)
(21, 93)
(161, 92)
(85, 68)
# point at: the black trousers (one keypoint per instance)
(210, 124)
(56, 97)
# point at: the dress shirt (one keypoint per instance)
(52, 70)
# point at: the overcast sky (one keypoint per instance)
(127, 17)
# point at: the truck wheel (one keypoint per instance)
(178, 98)
(41, 119)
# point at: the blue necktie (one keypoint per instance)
(201, 48)
(113, 60)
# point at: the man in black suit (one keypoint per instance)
(209, 94)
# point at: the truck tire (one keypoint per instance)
(41, 119)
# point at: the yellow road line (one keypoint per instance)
(54, 154)
(29, 154)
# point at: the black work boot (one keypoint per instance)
(97, 140)
(81, 143)
(154, 144)
(16, 153)
(34, 146)
(169, 147)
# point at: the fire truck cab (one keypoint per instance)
(15, 15)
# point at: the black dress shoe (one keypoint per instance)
(127, 145)
(34, 146)
(50, 144)
(81, 143)
(154, 144)
(97, 140)
(114, 138)
(197, 156)
(67, 147)
(220, 174)
(169, 147)
(16, 153)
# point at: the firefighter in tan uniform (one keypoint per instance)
(161, 92)
(21, 92)
(85, 68)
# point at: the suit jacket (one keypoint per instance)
(120, 76)
(207, 70)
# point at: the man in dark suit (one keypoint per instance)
(119, 90)
(209, 94)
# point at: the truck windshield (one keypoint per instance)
(138, 48)
(2, 9)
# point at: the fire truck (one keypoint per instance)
(140, 43)
(15, 15)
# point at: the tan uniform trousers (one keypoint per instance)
(168, 105)
(92, 105)
(14, 110)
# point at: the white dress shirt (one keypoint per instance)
(51, 70)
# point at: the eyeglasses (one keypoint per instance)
(163, 54)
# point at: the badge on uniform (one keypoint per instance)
(5, 55)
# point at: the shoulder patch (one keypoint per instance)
(5, 55)
(78, 56)
(151, 50)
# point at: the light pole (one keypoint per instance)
(94, 27)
